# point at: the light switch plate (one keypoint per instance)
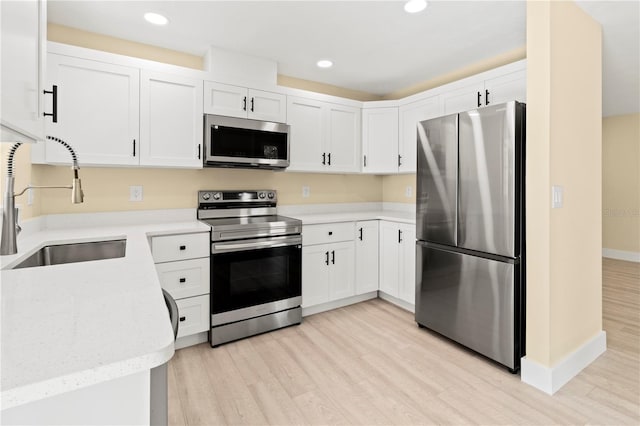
(408, 192)
(306, 192)
(135, 193)
(557, 197)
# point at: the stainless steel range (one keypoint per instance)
(256, 264)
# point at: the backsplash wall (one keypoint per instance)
(107, 189)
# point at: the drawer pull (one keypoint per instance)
(330, 232)
(183, 247)
(183, 318)
(183, 280)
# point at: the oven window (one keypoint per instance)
(243, 143)
(249, 278)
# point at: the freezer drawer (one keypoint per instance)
(471, 300)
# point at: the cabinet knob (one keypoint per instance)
(183, 247)
(183, 318)
(330, 232)
(183, 280)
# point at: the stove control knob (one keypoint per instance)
(216, 196)
(271, 195)
(206, 196)
(262, 195)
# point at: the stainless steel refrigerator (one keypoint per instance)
(470, 252)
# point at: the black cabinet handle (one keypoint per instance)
(326, 253)
(54, 110)
(183, 247)
(360, 234)
(399, 160)
(333, 257)
(251, 104)
(199, 147)
(183, 280)
(329, 156)
(324, 158)
(244, 104)
(479, 100)
(134, 147)
(330, 232)
(183, 318)
(399, 236)
(486, 97)
(365, 161)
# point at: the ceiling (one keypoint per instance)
(376, 47)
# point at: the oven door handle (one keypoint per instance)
(228, 247)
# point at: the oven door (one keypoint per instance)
(250, 278)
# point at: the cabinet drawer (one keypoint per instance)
(180, 247)
(193, 315)
(327, 233)
(185, 278)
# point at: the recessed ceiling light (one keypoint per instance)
(415, 6)
(155, 18)
(325, 63)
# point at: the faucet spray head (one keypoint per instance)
(77, 196)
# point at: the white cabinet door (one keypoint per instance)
(225, 99)
(380, 140)
(462, 99)
(389, 252)
(506, 88)
(22, 37)
(341, 270)
(366, 256)
(407, 264)
(344, 139)
(266, 106)
(315, 275)
(98, 111)
(410, 115)
(171, 120)
(305, 116)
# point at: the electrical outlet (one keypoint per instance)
(557, 195)
(408, 192)
(306, 192)
(135, 193)
(30, 196)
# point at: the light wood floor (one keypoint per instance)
(370, 364)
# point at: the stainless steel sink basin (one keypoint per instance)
(72, 253)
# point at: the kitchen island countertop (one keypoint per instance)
(68, 326)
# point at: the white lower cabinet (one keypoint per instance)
(397, 260)
(328, 258)
(327, 273)
(366, 256)
(182, 263)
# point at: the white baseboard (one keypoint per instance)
(316, 309)
(193, 339)
(631, 256)
(551, 379)
(398, 302)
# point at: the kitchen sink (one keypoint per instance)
(73, 253)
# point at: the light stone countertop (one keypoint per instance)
(68, 326)
(320, 218)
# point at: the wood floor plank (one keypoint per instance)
(369, 363)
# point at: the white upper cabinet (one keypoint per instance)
(98, 111)
(490, 90)
(410, 115)
(325, 137)
(505, 88)
(380, 140)
(306, 118)
(22, 37)
(171, 120)
(236, 101)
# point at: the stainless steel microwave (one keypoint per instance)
(240, 142)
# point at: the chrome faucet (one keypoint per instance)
(10, 227)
